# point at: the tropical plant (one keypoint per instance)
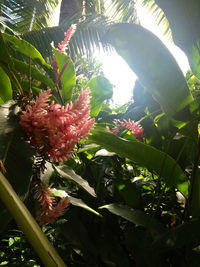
(133, 185)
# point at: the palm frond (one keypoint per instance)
(22, 16)
(158, 15)
(85, 41)
(97, 6)
(122, 10)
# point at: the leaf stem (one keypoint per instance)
(28, 225)
(58, 80)
(29, 76)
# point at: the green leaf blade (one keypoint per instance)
(79, 203)
(16, 153)
(146, 155)
(137, 217)
(5, 86)
(68, 173)
(68, 78)
(23, 68)
(25, 48)
(101, 90)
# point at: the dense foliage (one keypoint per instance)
(133, 184)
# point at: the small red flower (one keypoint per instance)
(134, 127)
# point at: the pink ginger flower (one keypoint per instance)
(63, 45)
(49, 212)
(134, 127)
(54, 129)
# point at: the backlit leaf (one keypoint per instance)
(101, 89)
(154, 65)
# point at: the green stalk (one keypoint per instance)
(28, 225)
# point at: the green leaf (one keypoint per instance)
(5, 86)
(74, 201)
(68, 173)
(91, 148)
(129, 192)
(23, 68)
(48, 172)
(101, 89)
(68, 78)
(4, 55)
(25, 48)
(146, 155)
(79, 203)
(155, 67)
(137, 217)
(15, 152)
(7, 65)
(6, 128)
(184, 20)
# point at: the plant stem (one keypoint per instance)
(28, 225)
(29, 77)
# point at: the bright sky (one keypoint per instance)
(119, 73)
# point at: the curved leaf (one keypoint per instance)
(101, 89)
(146, 155)
(4, 55)
(135, 216)
(155, 67)
(5, 86)
(7, 65)
(23, 68)
(79, 203)
(15, 153)
(74, 201)
(25, 48)
(68, 78)
(184, 20)
(68, 173)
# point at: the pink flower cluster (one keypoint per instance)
(62, 45)
(135, 128)
(54, 129)
(49, 211)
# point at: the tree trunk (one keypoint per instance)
(68, 8)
